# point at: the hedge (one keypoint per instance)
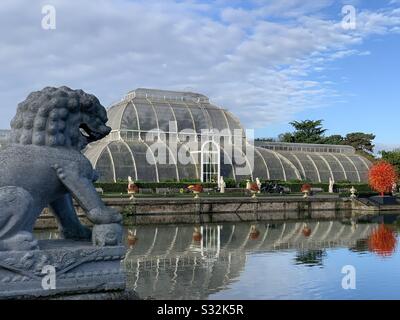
(295, 186)
(360, 187)
(121, 187)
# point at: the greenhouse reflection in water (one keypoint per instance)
(292, 260)
(186, 262)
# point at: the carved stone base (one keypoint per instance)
(80, 268)
(110, 295)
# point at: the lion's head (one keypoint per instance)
(59, 117)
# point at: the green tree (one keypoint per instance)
(312, 131)
(334, 139)
(286, 137)
(393, 157)
(362, 142)
(307, 131)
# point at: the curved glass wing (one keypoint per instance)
(339, 174)
(114, 115)
(274, 164)
(147, 117)
(104, 167)
(351, 170)
(308, 165)
(322, 167)
(123, 161)
(146, 170)
(260, 166)
(129, 120)
(218, 119)
(188, 165)
(165, 117)
(166, 161)
(201, 119)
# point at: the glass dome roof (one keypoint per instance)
(144, 110)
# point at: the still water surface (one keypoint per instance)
(292, 260)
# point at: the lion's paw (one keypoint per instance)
(104, 216)
(107, 234)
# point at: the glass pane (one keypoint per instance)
(274, 166)
(309, 168)
(226, 165)
(129, 119)
(289, 168)
(200, 118)
(114, 115)
(297, 164)
(146, 170)
(259, 171)
(322, 168)
(165, 116)
(122, 160)
(183, 116)
(349, 167)
(337, 170)
(147, 118)
(217, 119)
(242, 169)
(233, 122)
(166, 162)
(104, 167)
(362, 168)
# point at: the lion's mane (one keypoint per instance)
(52, 116)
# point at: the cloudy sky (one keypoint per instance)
(268, 61)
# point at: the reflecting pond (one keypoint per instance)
(288, 260)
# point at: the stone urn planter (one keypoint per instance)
(353, 193)
(196, 189)
(306, 190)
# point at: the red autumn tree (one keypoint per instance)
(382, 176)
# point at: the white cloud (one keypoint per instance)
(255, 60)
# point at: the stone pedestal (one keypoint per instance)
(80, 268)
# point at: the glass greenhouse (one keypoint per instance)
(165, 135)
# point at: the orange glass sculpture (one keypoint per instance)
(382, 176)
(382, 241)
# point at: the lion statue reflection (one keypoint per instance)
(43, 167)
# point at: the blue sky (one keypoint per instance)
(370, 89)
(269, 62)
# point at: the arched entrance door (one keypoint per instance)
(210, 162)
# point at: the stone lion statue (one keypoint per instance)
(43, 167)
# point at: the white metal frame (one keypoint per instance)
(203, 153)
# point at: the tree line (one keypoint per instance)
(312, 131)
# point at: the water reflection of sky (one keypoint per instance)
(293, 260)
(275, 276)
